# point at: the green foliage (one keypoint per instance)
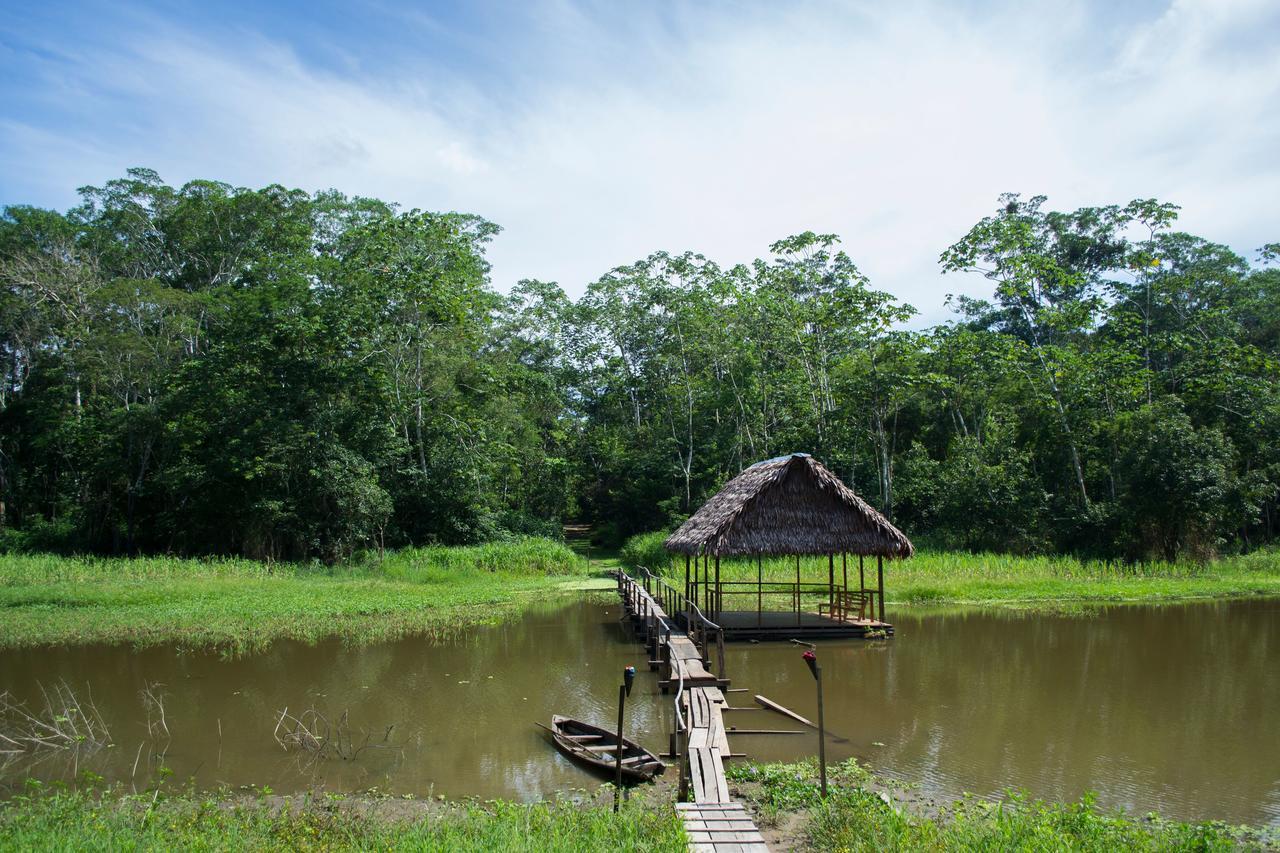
(853, 817)
(208, 369)
(112, 820)
(645, 549)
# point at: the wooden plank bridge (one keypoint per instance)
(678, 648)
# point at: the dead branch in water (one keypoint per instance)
(153, 697)
(311, 732)
(64, 723)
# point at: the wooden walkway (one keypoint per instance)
(713, 822)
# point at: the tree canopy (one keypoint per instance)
(213, 369)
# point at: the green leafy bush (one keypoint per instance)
(646, 550)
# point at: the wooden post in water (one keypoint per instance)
(880, 574)
(628, 676)
(617, 752)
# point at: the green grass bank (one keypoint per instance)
(857, 815)
(865, 813)
(110, 820)
(949, 577)
(240, 605)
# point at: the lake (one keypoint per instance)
(1168, 708)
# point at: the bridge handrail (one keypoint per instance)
(679, 748)
(688, 605)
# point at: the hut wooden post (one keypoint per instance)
(880, 574)
(831, 583)
(797, 592)
(686, 577)
(719, 601)
(759, 591)
(844, 589)
(862, 590)
(707, 584)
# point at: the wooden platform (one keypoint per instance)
(784, 625)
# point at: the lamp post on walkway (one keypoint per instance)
(811, 660)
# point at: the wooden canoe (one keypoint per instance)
(597, 748)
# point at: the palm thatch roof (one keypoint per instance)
(788, 505)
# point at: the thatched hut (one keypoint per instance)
(789, 506)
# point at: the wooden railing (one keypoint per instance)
(840, 603)
(640, 601)
(704, 632)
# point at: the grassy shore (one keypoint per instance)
(859, 815)
(933, 577)
(110, 820)
(240, 605)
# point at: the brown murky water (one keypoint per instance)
(1170, 708)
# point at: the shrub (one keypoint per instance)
(646, 550)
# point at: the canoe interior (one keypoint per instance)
(597, 747)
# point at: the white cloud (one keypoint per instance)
(894, 127)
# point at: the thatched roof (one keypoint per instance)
(788, 505)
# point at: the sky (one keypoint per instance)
(597, 133)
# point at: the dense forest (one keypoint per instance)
(208, 369)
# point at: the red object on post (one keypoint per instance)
(812, 660)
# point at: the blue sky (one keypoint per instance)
(595, 133)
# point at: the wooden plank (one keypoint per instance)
(725, 836)
(786, 712)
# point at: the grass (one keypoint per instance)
(853, 817)
(949, 577)
(242, 605)
(110, 820)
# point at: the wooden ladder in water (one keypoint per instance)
(713, 822)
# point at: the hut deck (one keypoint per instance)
(784, 625)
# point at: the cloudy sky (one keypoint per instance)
(596, 133)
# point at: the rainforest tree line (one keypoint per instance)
(206, 369)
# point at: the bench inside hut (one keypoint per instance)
(783, 510)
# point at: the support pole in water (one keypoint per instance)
(624, 690)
